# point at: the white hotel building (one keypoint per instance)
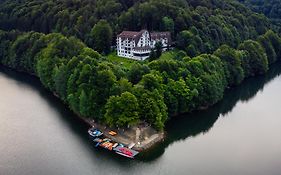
(138, 45)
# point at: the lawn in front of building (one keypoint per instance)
(127, 62)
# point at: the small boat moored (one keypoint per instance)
(95, 132)
(107, 143)
(127, 152)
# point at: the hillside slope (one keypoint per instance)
(271, 8)
(211, 22)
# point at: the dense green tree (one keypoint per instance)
(230, 57)
(85, 105)
(181, 92)
(271, 8)
(122, 110)
(152, 55)
(169, 67)
(168, 24)
(158, 49)
(102, 36)
(151, 81)
(58, 51)
(269, 49)
(258, 60)
(211, 70)
(104, 82)
(136, 72)
(183, 39)
(123, 85)
(60, 81)
(153, 109)
(275, 41)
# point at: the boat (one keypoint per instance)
(95, 132)
(107, 145)
(98, 140)
(126, 152)
(110, 145)
(112, 133)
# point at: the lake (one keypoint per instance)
(239, 135)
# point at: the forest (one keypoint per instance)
(271, 8)
(207, 23)
(65, 43)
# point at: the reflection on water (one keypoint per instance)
(192, 124)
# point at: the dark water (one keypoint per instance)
(239, 135)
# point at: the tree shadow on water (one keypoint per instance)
(198, 122)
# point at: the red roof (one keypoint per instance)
(160, 35)
(131, 35)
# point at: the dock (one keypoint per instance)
(108, 144)
(139, 138)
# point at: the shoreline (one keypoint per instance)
(146, 142)
(122, 134)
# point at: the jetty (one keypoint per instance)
(110, 145)
(138, 138)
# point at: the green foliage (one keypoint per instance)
(23, 51)
(269, 49)
(60, 79)
(59, 50)
(95, 88)
(123, 85)
(153, 109)
(158, 49)
(271, 8)
(168, 24)
(230, 57)
(275, 41)
(151, 81)
(102, 36)
(122, 110)
(137, 71)
(190, 41)
(152, 55)
(179, 95)
(211, 71)
(84, 104)
(211, 22)
(123, 93)
(257, 59)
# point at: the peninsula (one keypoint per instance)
(132, 66)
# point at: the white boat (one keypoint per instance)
(95, 132)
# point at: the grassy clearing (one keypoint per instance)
(126, 62)
(120, 60)
(169, 54)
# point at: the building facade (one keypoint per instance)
(138, 45)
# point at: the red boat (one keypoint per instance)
(125, 152)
